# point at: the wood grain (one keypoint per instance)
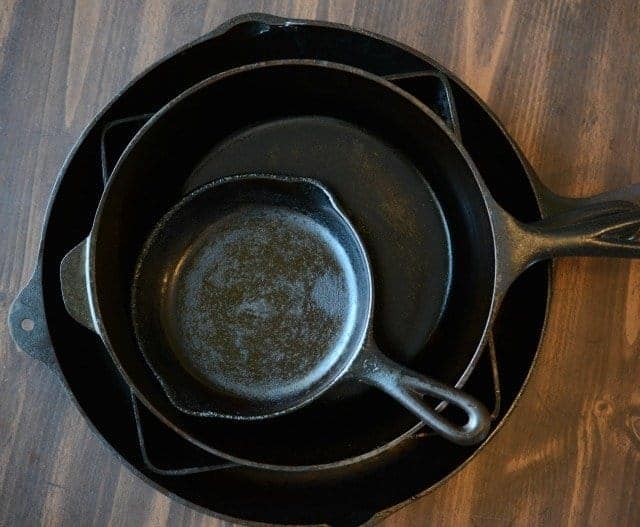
(563, 76)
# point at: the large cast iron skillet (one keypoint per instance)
(87, 371)
(489, 248)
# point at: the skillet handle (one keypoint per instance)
(598, 229)
(74, 285)
(552, 203)
(609, 228)
(407, 387)
(28, 323)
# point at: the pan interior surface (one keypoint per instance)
(261, 303)
(261, 297)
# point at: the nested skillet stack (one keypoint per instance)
(430, 87)
(415, 198)
(334, 133)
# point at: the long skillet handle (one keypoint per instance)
(408, 387)
(598, 229)
(607, 228)
(553, 204)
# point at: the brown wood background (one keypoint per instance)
(564, 77)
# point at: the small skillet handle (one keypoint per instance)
(407, 387)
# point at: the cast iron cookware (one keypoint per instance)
(87, 370)
(259, 287)
(302, 438)
(317, 111)
(293, 91)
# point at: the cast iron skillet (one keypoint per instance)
(423, 216)
(471, 214)
(253, 296)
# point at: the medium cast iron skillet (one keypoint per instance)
(259, 288)
(284, 94)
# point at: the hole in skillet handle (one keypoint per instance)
(408, 388)
(487, 371)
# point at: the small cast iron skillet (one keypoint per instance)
(488, 248)
(259, 287)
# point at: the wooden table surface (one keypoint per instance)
(564, 78)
